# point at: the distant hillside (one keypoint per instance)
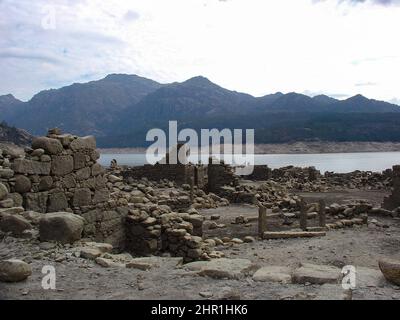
(13, 135)
(120, 109)
(86, 108)
(9, 106)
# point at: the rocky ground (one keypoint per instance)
(71, 229)
(248, 271)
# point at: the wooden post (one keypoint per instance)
(262, 220)
(322, 213)
(303, 215)
(191, 189)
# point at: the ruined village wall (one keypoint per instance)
(60, 173)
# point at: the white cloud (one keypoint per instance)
(254, 46)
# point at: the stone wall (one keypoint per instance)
(179, 173)
(60, 173)
(220, 175)
(260, 173)
(160, 230)
(393, 201)
(300, 174)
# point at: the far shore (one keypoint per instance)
(295, 148)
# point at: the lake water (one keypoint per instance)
(337, 162)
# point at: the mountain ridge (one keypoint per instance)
(121, 108)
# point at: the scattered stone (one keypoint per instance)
(14, 270)
(206, 294)
(391, 270)
(90, 253)
(237, 241)
(102, 247)
(108, 263)
(249, 239)
(14, 224)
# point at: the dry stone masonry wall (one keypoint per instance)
(60, 173)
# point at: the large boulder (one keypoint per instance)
(50, 146)
(3, 191)
(14, 270)
(14, 224)
(64, 227)
(391, 270)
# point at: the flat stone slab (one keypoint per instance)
(108, 263)
(292, 234)
(221, 268)
(90, 253)
(147, 263)
(195, 266)
(273, 274)
(316, 274)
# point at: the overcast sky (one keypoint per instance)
(334, 47)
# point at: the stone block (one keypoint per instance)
(25, 166)
(101, 196)
(82, 197)
(62, 165)
(84, 143)
(79, 161)
(57, 202)
(36, 201)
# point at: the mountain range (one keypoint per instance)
(120, 109)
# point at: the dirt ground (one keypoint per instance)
(77, 278)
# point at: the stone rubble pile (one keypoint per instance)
(363, 180)
(311, 180)
(270, 194)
